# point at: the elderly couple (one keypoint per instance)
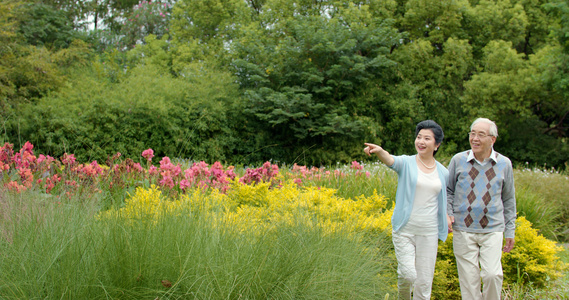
(474, 199)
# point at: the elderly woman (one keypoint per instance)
(419, 218)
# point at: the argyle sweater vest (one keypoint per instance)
(482, 197)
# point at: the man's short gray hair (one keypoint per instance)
(493, 128)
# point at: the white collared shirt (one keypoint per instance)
(492, 157)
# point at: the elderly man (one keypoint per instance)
(481, 212)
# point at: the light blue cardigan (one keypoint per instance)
(406, 168)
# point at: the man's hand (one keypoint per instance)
(509, 245)
(450, 221)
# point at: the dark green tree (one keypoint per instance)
(45, 25)
(302, 77)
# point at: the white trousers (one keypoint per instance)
(478, 255)
(416, 258)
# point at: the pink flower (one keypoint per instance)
(153, 170)
(14, 186)
(68, 159)
(148, 154)
(27, 147)
(92, 170)
(47, 159)
(165, 163)
(6, 153)
(357, 166)
(4, 167)
(138, 167)
(51, 182)
(25, 157)
(27, 177)
(167, 181)
(184, 184)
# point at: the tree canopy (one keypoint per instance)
(283, 80)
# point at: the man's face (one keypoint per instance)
(480, 140)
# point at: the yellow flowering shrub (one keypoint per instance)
(255, 207)
(145, 204)
(534, 258)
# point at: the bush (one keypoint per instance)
(534, 258)
(146, 109)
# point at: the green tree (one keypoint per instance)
(498, 91)
(538, 27)
(496, 20)
(514, 92)
(44, 25)
(435, 21)
(8, 35)
(302, 76)
(146, 18)
(209, 24)
(438, 77)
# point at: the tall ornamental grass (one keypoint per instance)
(543, 197)
(187, 248)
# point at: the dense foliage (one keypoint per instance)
(291, 81)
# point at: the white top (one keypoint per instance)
(423, 219)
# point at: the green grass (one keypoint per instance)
(55, 249)
(543, 197)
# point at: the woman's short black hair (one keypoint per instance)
(434, 127)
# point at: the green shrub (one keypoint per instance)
(95, 119)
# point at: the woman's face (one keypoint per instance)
(425, 142)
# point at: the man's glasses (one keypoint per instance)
(480, 135)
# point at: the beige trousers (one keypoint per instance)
(478, 255)
(416, 258)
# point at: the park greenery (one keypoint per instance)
(288, 81)
(136, 228)
(210, 149)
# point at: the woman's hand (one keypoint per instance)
(372, 148)
(383, 155)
